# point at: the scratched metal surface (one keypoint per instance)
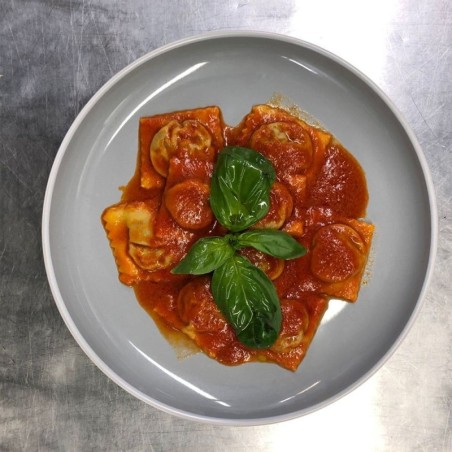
(54, 55)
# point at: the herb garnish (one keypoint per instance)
(240, 197)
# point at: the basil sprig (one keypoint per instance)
(240, 196)
(210, 253)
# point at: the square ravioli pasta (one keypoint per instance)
(319, 198)
(196, 134)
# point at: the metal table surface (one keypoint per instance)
(54, 55)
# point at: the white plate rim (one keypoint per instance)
(53, 283)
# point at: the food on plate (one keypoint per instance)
(237, 237)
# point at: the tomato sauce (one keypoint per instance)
(320, 197)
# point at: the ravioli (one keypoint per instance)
(320, 198)
(194, 133)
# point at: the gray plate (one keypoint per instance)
(235, 71)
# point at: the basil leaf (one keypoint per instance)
(270, 241)
(204, 256)
(248, 300)
(240, 189)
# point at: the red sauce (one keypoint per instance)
(337, 181)
(319, 196)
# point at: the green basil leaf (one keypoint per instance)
(248, 300)
(240, 189)
(270, 241)
(204, 256)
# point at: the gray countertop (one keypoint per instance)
(54, 55)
